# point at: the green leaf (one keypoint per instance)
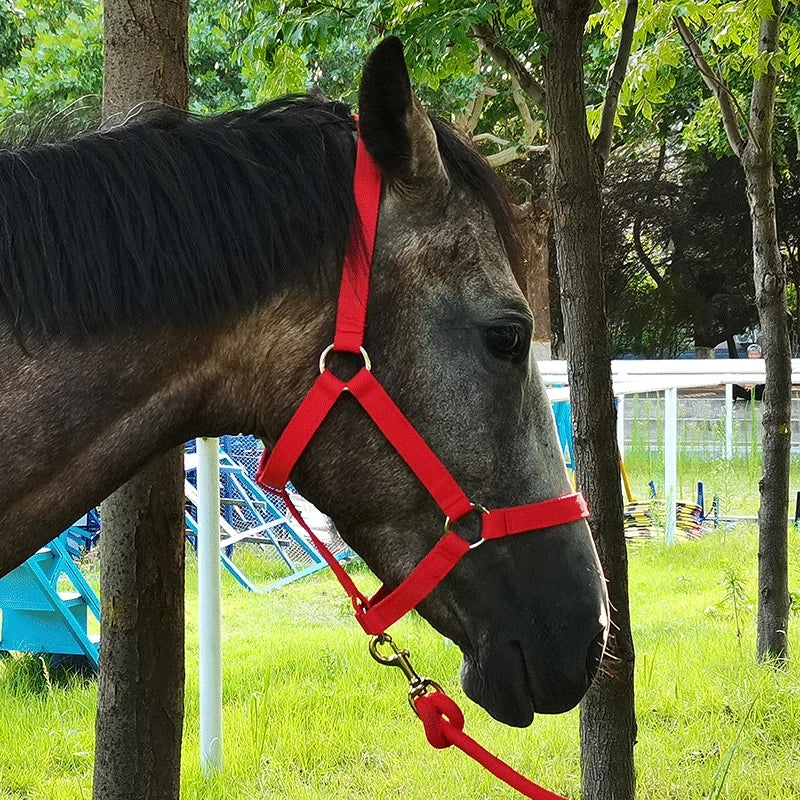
(766, 9)
(289, 73)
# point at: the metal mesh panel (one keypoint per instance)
(262, 535)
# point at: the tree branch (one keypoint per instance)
(513, 153)
(468, 121)
(762, 99)
(339, 9)
(491, 137)
(727, 102)
(475, 111)
(602, 144)
(644, 257)
(504, 58)
(532, 126)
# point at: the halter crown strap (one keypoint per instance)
(351, 315)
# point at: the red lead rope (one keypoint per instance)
(444, 725)
(440, 715)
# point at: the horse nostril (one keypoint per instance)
(595, 655)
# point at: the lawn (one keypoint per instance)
(309, 715)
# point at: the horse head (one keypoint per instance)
(449, 335)
(179, 282)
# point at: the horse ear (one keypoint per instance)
(395, 128)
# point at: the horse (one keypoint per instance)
(176, 277)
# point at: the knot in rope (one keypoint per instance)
(439, 714)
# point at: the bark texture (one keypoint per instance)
(140, 703)
(534, 220)
(769, 274)
(146, 55)
(608, 723)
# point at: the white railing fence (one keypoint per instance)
(667, 376)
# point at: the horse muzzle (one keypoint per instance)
(513, 680)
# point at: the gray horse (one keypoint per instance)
(177, 277)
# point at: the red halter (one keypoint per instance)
(377, 613)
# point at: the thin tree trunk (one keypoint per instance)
(769, 274)
(602, 144)
(140, 696)
(608, 723)
(145, 55)
(534, 219)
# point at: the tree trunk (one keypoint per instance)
(794, 330)
(145, 55)
(140, 702)
(534, 218)
(140, 696)
(769, 274)
(608, 723)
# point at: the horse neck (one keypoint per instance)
(78, 420)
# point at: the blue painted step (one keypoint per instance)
(39, 616)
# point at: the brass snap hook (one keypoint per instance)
(400, 658)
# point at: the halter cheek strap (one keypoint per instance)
(351, 315)
(377, 613)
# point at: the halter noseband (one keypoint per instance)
(379, 612)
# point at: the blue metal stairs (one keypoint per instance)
(44, 607)
(45, 603)
(251, 515)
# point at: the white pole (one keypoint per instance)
(621, 425)
(729, 421)
(209, 590)
(670, 462)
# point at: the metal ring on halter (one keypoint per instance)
(476, 507)
(323, 358)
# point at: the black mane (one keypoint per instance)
(181, 219)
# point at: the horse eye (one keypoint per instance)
(506, 341)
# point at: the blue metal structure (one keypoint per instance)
(562, 411)
(45, 604)
(249, 515)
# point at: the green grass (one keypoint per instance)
(309, 715)
(736, 481)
